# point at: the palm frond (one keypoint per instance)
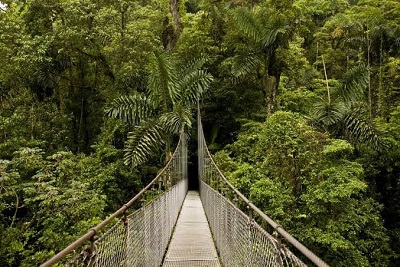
(397, 42)
(215, 12)
(248, 24)
(162, 79)
(131, 109)
(194, 65)
(328, 114)
(359, 131)
(244, 64)
(271, 35)
(353, 84)
(193, 85)
(175, 122)
(356, 41)
(143, 142)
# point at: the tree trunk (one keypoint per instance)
(174, 6)
(369, 76)
(172, 34)
(270, 92)
(381, 94)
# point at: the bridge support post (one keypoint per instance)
(92, 251)
(126, 236)
(279, 245)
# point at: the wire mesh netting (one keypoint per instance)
(239, 239)
(141, 238)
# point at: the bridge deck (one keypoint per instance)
(192, 244)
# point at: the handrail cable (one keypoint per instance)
(278, 228)
(93, 231)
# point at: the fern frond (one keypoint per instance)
(193, 65)
(271, 35)
(131, 109)
(143, 142)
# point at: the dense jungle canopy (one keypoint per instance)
(300, 101)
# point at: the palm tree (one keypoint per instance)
(263, 38)
(369, 28)
(163, 110)
(342, 113)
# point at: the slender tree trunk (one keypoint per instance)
(270, 91)
(14, 218)
(273, 76)
(381, 93)
(369, 76)
(32, 115)
(81, 109)
(124, 8)
(81, 125)
(326, 79)
(71, 109)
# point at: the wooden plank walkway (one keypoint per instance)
(192, 244)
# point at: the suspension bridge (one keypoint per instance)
(167, 225)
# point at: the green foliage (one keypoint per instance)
(339, 111)
(171, 92)
(131, 109)
(142, 142)
(259, 39)
(63, 196)
(353, 85)
(310, 185)
(64, 62)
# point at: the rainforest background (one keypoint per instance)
(300, 102)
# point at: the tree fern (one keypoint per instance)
(328, 114)
(359, 131)
(193, 65)
(193, 85)
(270, 37)
(162, 111)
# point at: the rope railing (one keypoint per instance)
(239, 239)
(140, 238)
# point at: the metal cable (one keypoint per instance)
(140, 238)
(239, 239)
